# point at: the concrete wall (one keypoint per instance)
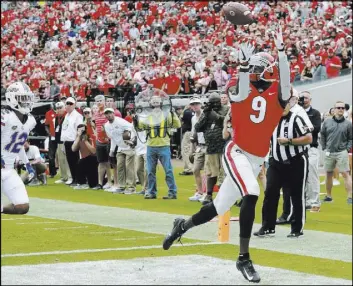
(326, 93)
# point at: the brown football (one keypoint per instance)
(237, 13)
(126, 135)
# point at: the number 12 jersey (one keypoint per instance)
(14, 134)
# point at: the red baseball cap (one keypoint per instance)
(330, 50)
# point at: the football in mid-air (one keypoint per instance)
(237, 13)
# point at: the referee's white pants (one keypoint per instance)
(241, 169)
(312, 189)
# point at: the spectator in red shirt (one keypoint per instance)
(333, 64)
(50, 116)
(90, 124)
(172, 83)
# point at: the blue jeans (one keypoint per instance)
(164, 156)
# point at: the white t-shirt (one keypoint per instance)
(200, 136)
(69, 127)
(33, 153)
(115, 132)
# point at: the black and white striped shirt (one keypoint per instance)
(290, 126)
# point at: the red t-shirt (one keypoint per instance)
(332, 71)
(49, 120)
(253, 128)
(172, 84)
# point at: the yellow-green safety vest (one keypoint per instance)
(158, 130)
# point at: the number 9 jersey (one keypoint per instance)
(14, 134)
(255, 118)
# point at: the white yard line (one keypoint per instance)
(105, 232)
(169, 270)
(101, 250)
(135, 238)
(38, 222)
(336, 246)
(19, 218)
(64, 227)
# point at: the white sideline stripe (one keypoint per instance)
(101, 250)
(105, 232)
(166, 270)
(20, 218)
(64, 227)
(38, 222)
(329, 84)
(135, 238)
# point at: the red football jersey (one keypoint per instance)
(255, 118)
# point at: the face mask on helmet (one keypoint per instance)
(19, 97)
(262, 66)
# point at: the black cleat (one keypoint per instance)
(247, 269)
(295, 234)
(282, 220)
(176, 233)
(265, 232)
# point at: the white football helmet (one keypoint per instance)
(263, 67)
(20, 97)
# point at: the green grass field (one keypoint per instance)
(30, 240)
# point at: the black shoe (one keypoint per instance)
(150, 197)
(207, 200)
(176, 233)
(295, 234)
(247, 269)
(308, 207)
(262, 232)
(238, 203)
(282, 220)
(183, 173)
(170, 197)
(98, 187)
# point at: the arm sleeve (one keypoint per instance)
(316, 121)
(349, 137)
(284, 76)
(306, 119)
(300, 126)
(243, 86)
(175, 121)
(323, 136)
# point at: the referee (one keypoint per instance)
(288, 168)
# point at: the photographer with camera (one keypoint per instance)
(88, 164)
(211, 124)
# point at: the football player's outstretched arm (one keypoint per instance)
(242, 91)
(284, 72)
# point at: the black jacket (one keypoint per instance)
(211, 124)
(315, 118)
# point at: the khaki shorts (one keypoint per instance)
(199, 159)
(213, 165)
(339, 160)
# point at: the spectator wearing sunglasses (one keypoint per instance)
(68, 135)
(336, 141)
(90, 124)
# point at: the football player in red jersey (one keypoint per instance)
(257, 105)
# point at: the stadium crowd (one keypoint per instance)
(83, 49)
(69, 52)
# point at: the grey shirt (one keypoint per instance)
(336, 135)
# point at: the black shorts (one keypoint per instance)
(102, 152)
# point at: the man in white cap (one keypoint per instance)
(68, 135)
(198, 147)
(65, 174)
(122, 151)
